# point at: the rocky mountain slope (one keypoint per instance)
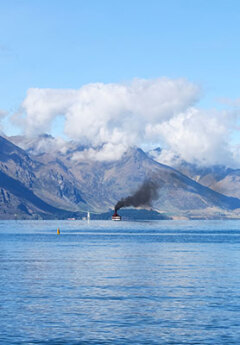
(219, 178)
(60, 180)
(20, 186)
(229, 184)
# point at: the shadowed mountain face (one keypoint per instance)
(24, 180)
(60, 181)
(16, 163)
(23, 198)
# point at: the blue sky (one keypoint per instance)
(65, 44)
(62, 44)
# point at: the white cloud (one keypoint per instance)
(40, 108)
(99, 111)
(101, 114)
(108, 152)
(42, 143)
(197, 136)
(108, 118)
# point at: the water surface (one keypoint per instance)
(159, 282)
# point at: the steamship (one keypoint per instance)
(116, 216)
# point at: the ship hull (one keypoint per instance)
(116, 218)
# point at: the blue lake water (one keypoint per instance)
(159, 282)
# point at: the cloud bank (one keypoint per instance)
(109, 118)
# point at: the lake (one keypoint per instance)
(104, 282)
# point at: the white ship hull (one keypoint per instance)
(116, 218)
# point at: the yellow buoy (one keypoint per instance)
(58, 231)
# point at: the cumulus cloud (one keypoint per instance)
(41, 107)
(196, 136)
(108, 118)
(107, 115)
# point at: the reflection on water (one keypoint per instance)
(154, 282)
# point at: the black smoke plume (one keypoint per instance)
(142, 197)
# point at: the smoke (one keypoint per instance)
(142, 197)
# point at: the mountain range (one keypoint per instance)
(42, 178)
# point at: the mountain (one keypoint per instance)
(205, 175)
(16, 163)
(219, 178)
(60, 180)
(16, 199)
(20, 186)
(229, 184)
